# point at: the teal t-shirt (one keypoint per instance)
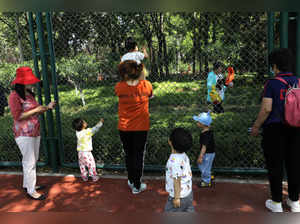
(212, 79)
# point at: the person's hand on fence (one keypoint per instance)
(255, 131)
(41, 109)
(145, 52)
(176, 202)
(200, 159)
(51, 105)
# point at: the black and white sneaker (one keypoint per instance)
(143, 187)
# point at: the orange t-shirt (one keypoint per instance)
(134, 106)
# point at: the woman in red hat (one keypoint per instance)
(25, 110)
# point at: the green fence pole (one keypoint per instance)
(50, 122)
(284, 38)
(55, 91)
(298, 45)
(39, 92)
(270, 36)
(284, 32)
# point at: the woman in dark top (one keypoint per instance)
(280, 142)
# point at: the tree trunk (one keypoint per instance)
(206, 37)
(194, 48)
(151, 55)
(199, 51)
(20, 46)
(177, 56)
(160, 46)
(166, 58)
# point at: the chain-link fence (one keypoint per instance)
(182, 48)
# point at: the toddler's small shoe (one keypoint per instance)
(274, 206)
(85, 179)
(95, 178)
(202, 184)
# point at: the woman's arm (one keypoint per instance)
(16, 109)
(265, 110)
(35, 111)
(38, 110)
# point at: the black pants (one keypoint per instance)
(217, 108)
(281, 147)
(134, 144)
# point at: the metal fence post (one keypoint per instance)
(270, 35)
(54, 84)
(46, 87)
(39, 92)
(284, 33)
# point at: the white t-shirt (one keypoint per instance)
(135, 56)
(178, 165)
(84, 138)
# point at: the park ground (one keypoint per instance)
(111, 195)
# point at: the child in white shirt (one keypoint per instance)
(85, 147)
(179, 174)
(134, 54)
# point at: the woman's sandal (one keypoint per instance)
(37, 188)
(40, 198)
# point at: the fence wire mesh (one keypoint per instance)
(182, 49)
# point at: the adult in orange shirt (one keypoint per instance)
(133, 92)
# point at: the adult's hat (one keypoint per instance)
(25, 76)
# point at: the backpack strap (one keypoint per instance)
(285, 82)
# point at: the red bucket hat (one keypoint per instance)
(25, 76)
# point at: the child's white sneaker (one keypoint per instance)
(130, 185)
(294, 205)
(95, 178)
(142, 188)
(85, 179)
(274, 206)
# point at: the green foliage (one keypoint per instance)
(173, 106)
(82, 68)
(173, 40)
